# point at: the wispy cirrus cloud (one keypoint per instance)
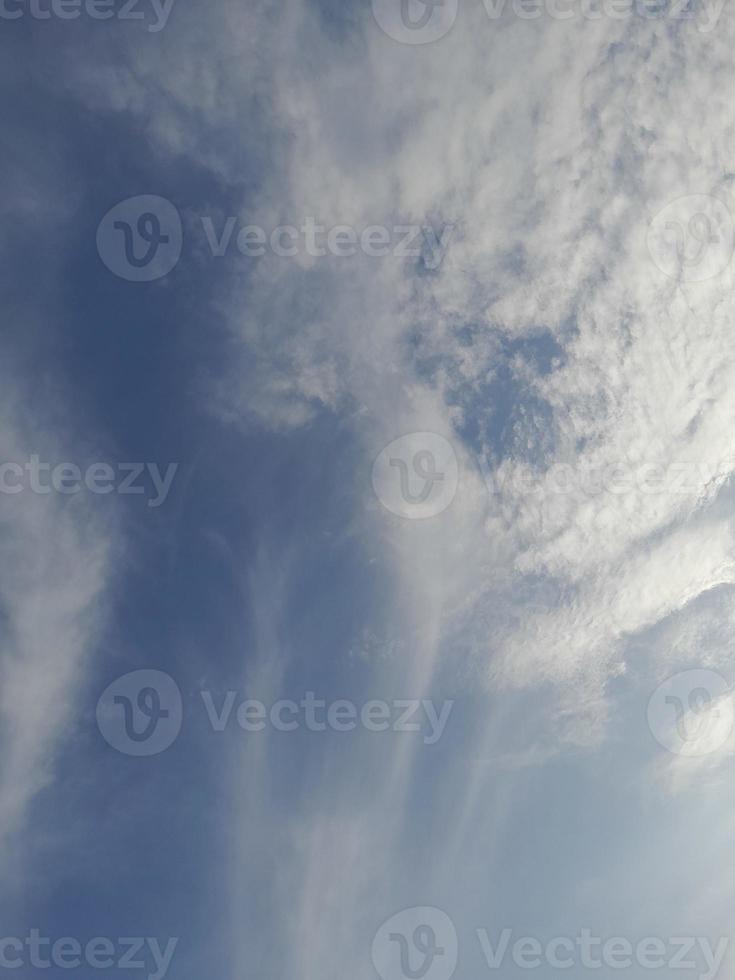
(548, 335)
(53, 584)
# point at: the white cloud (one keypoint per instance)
(55, 571)
(551, 146)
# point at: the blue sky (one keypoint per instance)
(531, 329)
